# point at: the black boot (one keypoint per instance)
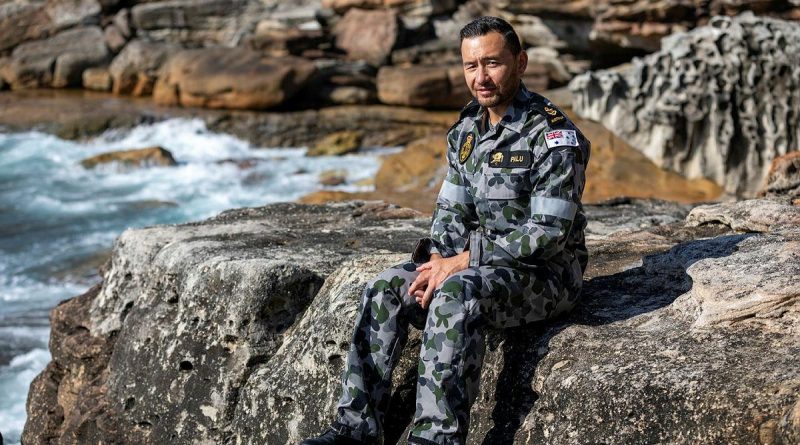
(332, 437)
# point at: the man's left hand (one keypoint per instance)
(433, 273)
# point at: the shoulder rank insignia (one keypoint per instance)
(466, 149)
(554, 115)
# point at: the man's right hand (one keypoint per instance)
(420, 284)
(433, 273)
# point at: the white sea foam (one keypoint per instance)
(56, 215)
(15, 379)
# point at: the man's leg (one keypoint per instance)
(453, 342)
(380, 332)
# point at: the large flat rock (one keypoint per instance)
(233, 330)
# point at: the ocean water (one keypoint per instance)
(58, 219)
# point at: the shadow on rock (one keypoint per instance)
(514, 354)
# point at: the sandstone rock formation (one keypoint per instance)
(563, 39)
(195, 23)
(97, 79)
(719, 102)
(58, 61)
(617, 28)
(90, 115)
(140, 157)
(21, 21)
(233, 330)
(135, 69)
(423, 86)
(368, 35)
(335, 144)
(229, 78)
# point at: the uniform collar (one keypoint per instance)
(517, 111)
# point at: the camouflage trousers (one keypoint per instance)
(452, 344)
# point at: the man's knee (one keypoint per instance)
(392, 281)
(460, 288)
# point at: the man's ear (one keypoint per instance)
(522, 62)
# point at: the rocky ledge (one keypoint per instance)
(234, 329)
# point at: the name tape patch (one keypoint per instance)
(509, 159)
(561, 138)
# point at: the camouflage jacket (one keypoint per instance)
(512, 194)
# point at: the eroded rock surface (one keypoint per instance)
(234, 329)
(718, 102)
(189, 312)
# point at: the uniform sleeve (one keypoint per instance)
(453, 217)
(557, 181)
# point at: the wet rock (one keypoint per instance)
(58, 61)
(368, 34)
(90, 115)
(336, 144)
(97, 79)
(141, 157)
(232, 78)
(713, 103)
(333, 177)
(380, 126)
(423, 86)
(135, 70)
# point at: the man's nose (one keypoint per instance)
(480, 75)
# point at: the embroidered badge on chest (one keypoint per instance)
(561, 138)
(509, 159)
(466, 148)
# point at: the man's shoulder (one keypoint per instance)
(558, 131)
(541, 107)
(468, 113)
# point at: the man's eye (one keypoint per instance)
(492, 63)
(469, 67)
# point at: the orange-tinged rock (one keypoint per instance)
(233, 78)
(142, 157)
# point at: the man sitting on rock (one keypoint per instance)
(506, 248)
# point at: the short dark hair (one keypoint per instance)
(484, 25)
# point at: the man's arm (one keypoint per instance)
(454, 214)
(557, 185)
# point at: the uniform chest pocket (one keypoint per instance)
(514, 185)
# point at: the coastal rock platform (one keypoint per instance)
(234, 329)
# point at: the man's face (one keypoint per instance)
(492, 72)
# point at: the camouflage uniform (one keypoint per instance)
(512, 197)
